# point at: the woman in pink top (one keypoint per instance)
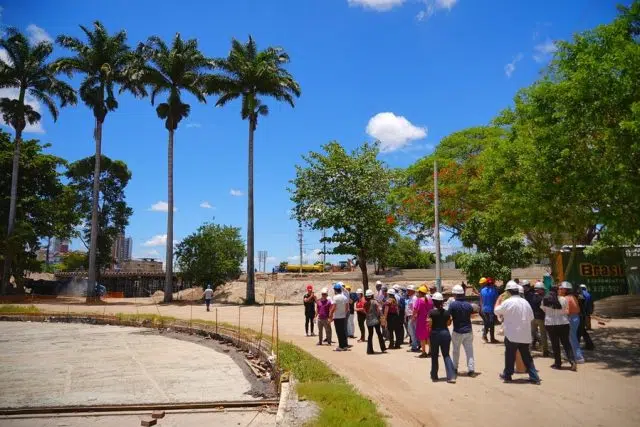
(421, 309)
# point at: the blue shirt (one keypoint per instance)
(460, 311)
(489, 296)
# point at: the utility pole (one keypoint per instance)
(324, 248)
(300, 242)
(437, 224)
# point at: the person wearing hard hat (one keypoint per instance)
(373, 321)
(401, 309)
(361, 313)
(585, 307)
(338, 315)
(462, 334)
(421, 308)
(351, 298)
(411, 323)
(439, 320)
(538, 330)
(488, 298)
(309, 301)
(323, 312)
(588, 300)
(556, 322)
(517, 315)
(378, 288)
(573, 311)
(391, 320)
(208, 294)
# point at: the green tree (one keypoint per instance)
(212, 255)
(251, 74)
(39, 209)
(26, 70)
(74, 261)
(405, 252)
(107, 64)
(173, 70)
(113, 210)
(345, 192)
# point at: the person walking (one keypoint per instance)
(400, 299)
(208, 294)
(421, 308)
(538, 329)
(517, 315)
(322, 314)
(488, 298)
(462, 334)
(411, 322)
(589, 305)
(439, 320)
(391, 319)
(338, 315)
(573, 311)
(584, 301)
(556, 321)
(309, 301)
(361, 313)
(373, 313)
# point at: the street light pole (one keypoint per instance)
(437, 224)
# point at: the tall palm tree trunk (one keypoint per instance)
(251, 278)
(93, 245)
(168, 279)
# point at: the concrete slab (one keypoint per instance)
(47, 364)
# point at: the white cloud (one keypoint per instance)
(511, 66)
(206, 205)
(379, 5)
(153, 253)
(307, 257)
(37, 34)
(236, 193)
(157, 240)
(432, 6)
(393, 132)
(543, 51)
(194, 125)
(12, 93)
(272, 259)
(4, 57)
(161, 207)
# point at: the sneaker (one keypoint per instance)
(312, 334)
(580, 361)
(423, 355)
(484, 338)
(318, 343)
(435, 380)
(306, 335)
(451, 381)
(371, 352)
(505, 378)
(574, 367)
(535, 381)
(494, 341)
(556, 366)
(339, 349)
(472, 374)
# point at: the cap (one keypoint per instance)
(324, 291)
(483, 280)
(309, 287)
(348, 287)
(358, 291)
(520, 289)
(392, 292)
(538, 285)
(378, 282)
(396, 287)
(491, 280)
(340, 283)
(457, 289)
(583, 286)
(526, 283)
(512, 286)
(384, 289)
(566, 285)
(369, 293)
(337, 286)
(423, 289)
(411, 288)
(437, 297)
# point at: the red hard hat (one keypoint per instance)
(309, 287)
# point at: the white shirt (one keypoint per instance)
(408, 309)
(517, 314)
(208, 293)
(341, 303)
(556, 316)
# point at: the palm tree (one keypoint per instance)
(106, 62)
(26, 69)
(250, 74)
(173, 70)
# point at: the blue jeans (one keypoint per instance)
(574, 325)
(489, 320)
(208, 303)
(441, 341)
(411, 326)
(511, 348)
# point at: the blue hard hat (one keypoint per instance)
(337, 286)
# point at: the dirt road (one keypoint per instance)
(602, 393)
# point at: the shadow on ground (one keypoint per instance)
(617, 348)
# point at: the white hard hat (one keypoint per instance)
(437, 297)
(511, 286)
(378, 282)
(340, 283)
(583, 286)
(539, 285)
(396, 287)
(411, 288)
(566, 285)
(458, 290)
(324, 291)
(369, 293)
(525, 283)
(391, 291)
(359, 291)
(521, 289)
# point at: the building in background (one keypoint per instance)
(121, 249)
(57, 249)
(144, 265)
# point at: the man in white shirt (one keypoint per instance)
(208, 294)
(517, 315)
(338, 315)
(411, 323)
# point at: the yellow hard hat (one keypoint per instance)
(423, 289)
(348, 286)
(483, 280)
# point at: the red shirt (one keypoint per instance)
(360, 305)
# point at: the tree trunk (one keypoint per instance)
(93, 245)
(168, 278)
(362, 262)
(251, 278)
(8, 255)
(48, 246)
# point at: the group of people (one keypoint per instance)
(528, 315)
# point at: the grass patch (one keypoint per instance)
(19, 309)
(340, 403)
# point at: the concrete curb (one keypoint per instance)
(285, 391)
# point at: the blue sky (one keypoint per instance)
(406, 72)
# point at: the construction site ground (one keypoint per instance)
(602, 393)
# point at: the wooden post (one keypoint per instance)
(191, 316)
(239, 322)
(216, 320)
(277, 341)
(264, 303)
(273, 322)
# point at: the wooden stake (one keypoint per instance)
(239, 322)
(264, 303)
(216, 320)
(277, 341)
(273, 322)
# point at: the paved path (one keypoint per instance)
(602, 393)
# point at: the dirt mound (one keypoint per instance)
(618, 306)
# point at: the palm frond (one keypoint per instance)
(46, 100)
